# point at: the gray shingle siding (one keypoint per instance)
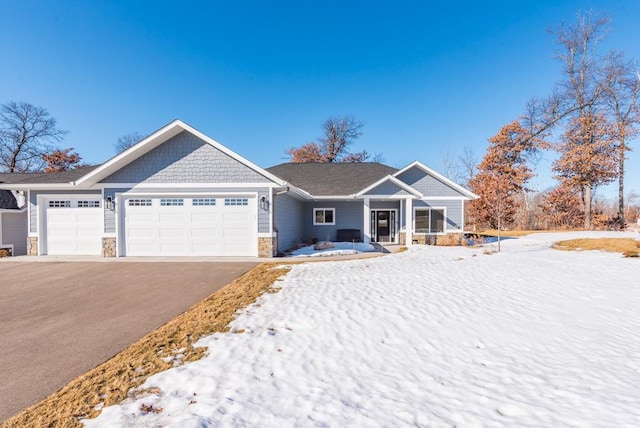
(387, 188)
(289, 219)
(14, 227)
(33, 202)
(453, 209)
(348, 215)
(185, 159)
(426, 184)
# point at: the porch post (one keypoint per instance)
(408, 221)
(366, 238)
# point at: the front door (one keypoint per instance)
(383, 226)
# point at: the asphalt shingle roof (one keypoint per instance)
(332, 179)
(45, 177)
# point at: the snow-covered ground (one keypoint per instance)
(432, 337)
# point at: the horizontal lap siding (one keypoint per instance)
(264, 216)
(348, 215)
(289, 219)
(14, 232)
(110, 214)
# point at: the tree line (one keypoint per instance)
(588, 119)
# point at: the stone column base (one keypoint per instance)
(32, 245)
(109, 247)
(267, 247)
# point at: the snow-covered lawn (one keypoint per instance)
(334, 249)
(435, 336)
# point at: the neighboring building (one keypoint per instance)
(180, 193)
(13, 218)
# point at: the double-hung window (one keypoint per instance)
(324, 216)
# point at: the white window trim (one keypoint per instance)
(444, 229)
(324, 223)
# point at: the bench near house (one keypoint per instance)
(180, 193)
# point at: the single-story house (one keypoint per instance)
(178, 192)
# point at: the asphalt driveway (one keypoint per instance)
(58, 320)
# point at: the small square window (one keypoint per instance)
(324, 216)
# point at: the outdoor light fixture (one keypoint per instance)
(110, 203)
(263, 203)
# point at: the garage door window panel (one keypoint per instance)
(203, 202)
(171, 202)
(139, 202)
(59, 204)
(236, 202)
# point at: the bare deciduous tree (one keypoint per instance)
(27, 132)
(622, 86)
(339, 134)
(468, 161)
(126, 141)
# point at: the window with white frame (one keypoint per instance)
(429, 220)
(324, 216)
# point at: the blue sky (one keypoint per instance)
(260, 77)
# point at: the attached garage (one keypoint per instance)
(201, 225)
(73, 226)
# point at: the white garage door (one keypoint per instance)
(190, 226)
(73, 226)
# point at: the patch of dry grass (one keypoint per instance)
(110, 382)
(629, 247)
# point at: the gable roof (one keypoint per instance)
(332, 179)
(439, 177)
(154, 140)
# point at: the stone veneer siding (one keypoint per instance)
(108, 247)
(32, 246)
(450, 239)
(267, 246)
